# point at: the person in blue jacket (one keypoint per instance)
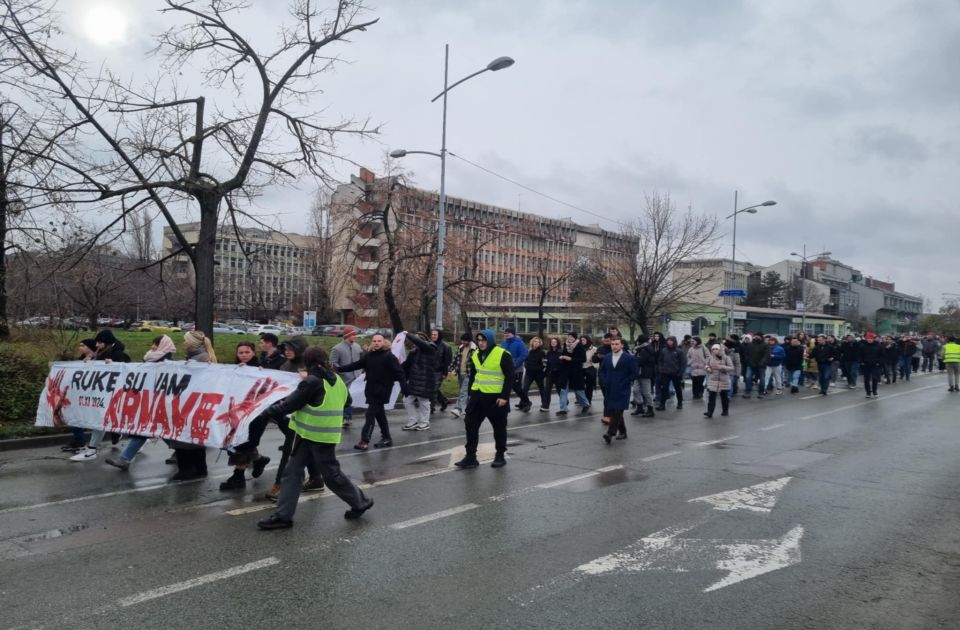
(774, 376)
(518, 352)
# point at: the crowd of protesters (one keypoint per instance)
(645, 379)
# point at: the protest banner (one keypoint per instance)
(197, 403)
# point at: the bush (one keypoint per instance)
(21, 381)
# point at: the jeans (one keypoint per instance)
(826, 371)
(324, 457)
(774, 376)
(133, 447)
(852, 371)
(755, 374)
(552, 382)
(796, 378)
(927, 363)
(734, 382)
(464, 382)
(578, 394)
(905, 365)
(642, 392)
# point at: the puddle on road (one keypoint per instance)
(603, 480)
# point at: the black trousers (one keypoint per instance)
(871, 378)
(191, 459)
(440, 399)
(665, 380)
(517, 385)
(324, 457)
(482, 407)
(375, 415)
(617, 425)
(697, 386)
(555, 381)
(589, 382)
(724, 401)
(529, 379)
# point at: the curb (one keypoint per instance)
(38, 441)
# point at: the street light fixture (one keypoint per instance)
(733, 258)
(497, 64)
(803, 285)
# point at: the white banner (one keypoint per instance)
(198, 403)
(399, 350)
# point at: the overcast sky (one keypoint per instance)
(845, 113)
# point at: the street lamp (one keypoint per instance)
(497, 64)
(803, 285)
(733, 258)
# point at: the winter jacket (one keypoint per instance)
(891, 354)
(777, 355)
(555, 371)
(506, 366)
(646, 361)
(825, 354)
(115, 352)
(460, 362)
(617, 380)
(734, 354)
(671, 361)
(299, 345)
(420, 368)
(343, 354)
(697, 357)
(534, 362)
(870, 355)
(444, 356)
(382, 369)
(718, 378)
(793, 358)
(930, 347)
(908, 349)
(272, 361)
(517, 349)
(573, 369)
(757, 353)
(849, 351)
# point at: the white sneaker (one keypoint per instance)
(779, 391)
(86, 455)
(456, 413)
(410, 426)
(423, 426)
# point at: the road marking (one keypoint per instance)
(868, 402)
(566, 480)
(761, 497)
(104, 495)
(435, 516)
(653, 458)
(772, 427)
(712, 442)
(832, 392)
(198, 581)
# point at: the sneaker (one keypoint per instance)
(383, 443)
(118, 462)
(456, 413)
(562, 412)
(470, 461)
(274, 493)
(362, 446)
(312, 484)
(86, 455)
(607, 438)
(259, 466)
(747, 396)
(275, 522)
(236, 482)
(779, 392)
(114, 438)
(410, 426)
(499, 461)
(347, 423)
(544, 408)
(423, 426)
(794, 389)
(353, 513)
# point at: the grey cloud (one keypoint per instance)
(889, 143)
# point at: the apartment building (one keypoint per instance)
(714, 275)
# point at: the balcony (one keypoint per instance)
(370, 265)
(367, 288)
(364, 241)
(366, 312)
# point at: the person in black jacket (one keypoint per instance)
(533, 367)
(444, 357)
(311, 392)
(671, 364)
(643, 386)
(382, 370)
(793, 362)
(271, 356)
(420, 370)
(573, 355)
(110, 349)
(484, 402)
(555, 376)
(870, 356)
(891, 357)
(824, 354)
(758, 354)
(850, 360)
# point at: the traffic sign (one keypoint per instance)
(733, 293)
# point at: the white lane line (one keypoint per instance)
(831, 392)
(198, 581)
(103, 495)
(772, 427)
(269, 506)
(712, 442)
(653, 458)
(435, 516)
(566, 480)
(868, 402)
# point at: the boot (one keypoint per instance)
(499, 461)
(649, 412)
(637, 412)
(470, 461)
(237, 481)
(661, 408)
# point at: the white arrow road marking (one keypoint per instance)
(759, 498)
(485, 453)
(663, 551)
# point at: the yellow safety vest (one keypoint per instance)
(323, 423)
(951, 353)
(489, 377)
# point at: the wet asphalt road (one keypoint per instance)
(863, 530)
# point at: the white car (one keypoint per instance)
(227, 330)
(267, 328)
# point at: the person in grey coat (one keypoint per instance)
(345, 353)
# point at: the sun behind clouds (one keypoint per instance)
(105, 24)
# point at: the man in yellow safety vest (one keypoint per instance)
(491, 375)
(316, 417)
(951, 359)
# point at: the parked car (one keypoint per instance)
(223, 329)
(339, 329)
(156, 325)
(267, 328)
(370, 332)
(187, 326)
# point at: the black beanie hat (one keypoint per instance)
(105, 337)
(91, 344)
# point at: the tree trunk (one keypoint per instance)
(203, 261)
(4, 325)
(540, 319)
(465, 319)
(390, 301)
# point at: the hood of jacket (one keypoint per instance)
(491, 338)
(299, 345)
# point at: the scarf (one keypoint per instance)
(165, 347)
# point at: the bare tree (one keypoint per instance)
(167, 147)
(638, 290)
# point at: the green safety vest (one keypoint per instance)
(489, 377)
(322, 423)
(951, 353)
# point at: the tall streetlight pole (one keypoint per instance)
(733, 257)
(803, 285)
(497, 64)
